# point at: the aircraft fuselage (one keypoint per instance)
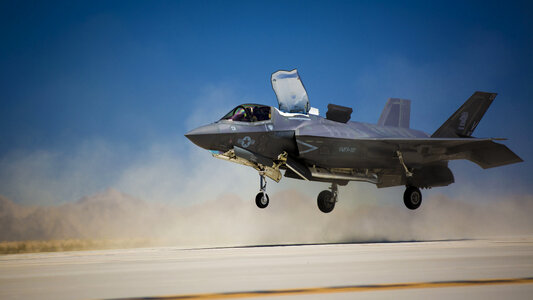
(319, 141)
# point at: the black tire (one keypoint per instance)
(325, 201)
(261, 200)
(412, 198)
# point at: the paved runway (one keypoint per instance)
(469, 269)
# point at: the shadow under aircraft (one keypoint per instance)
(296, 139)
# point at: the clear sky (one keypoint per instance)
(86, 88)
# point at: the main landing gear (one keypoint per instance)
(261, 199)
(412, 197)
(326, 199)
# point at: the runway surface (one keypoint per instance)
(467, 269)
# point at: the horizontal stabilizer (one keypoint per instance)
(396, 113)
(489, 154)
(465, 120)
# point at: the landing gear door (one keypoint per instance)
(291, 94)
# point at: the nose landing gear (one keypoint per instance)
(261, 199)
(326, 199)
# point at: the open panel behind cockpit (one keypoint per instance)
(291, 94)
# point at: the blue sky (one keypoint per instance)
(115, 78)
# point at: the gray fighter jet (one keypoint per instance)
(294, 138)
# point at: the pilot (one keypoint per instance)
(252, 112)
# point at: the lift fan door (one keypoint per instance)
(291, 94)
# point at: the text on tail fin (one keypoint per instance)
(465, 120)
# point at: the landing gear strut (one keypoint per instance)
(326, 199)
(412, 197)
(261, 199)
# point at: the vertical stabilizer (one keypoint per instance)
(465, 120)
(397, 113)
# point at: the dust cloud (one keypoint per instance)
(291, 218)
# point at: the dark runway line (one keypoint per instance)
(342, 289)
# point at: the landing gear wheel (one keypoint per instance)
(325, 201)
(412, 197)
(261, 200)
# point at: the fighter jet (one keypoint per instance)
(295, 139)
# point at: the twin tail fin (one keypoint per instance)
(465, 120)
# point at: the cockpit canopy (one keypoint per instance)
(249, 113)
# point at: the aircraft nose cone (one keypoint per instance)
(203, 136)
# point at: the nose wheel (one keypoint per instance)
(326, 199)
(261, 199)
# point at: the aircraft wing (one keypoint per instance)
(484, 152)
